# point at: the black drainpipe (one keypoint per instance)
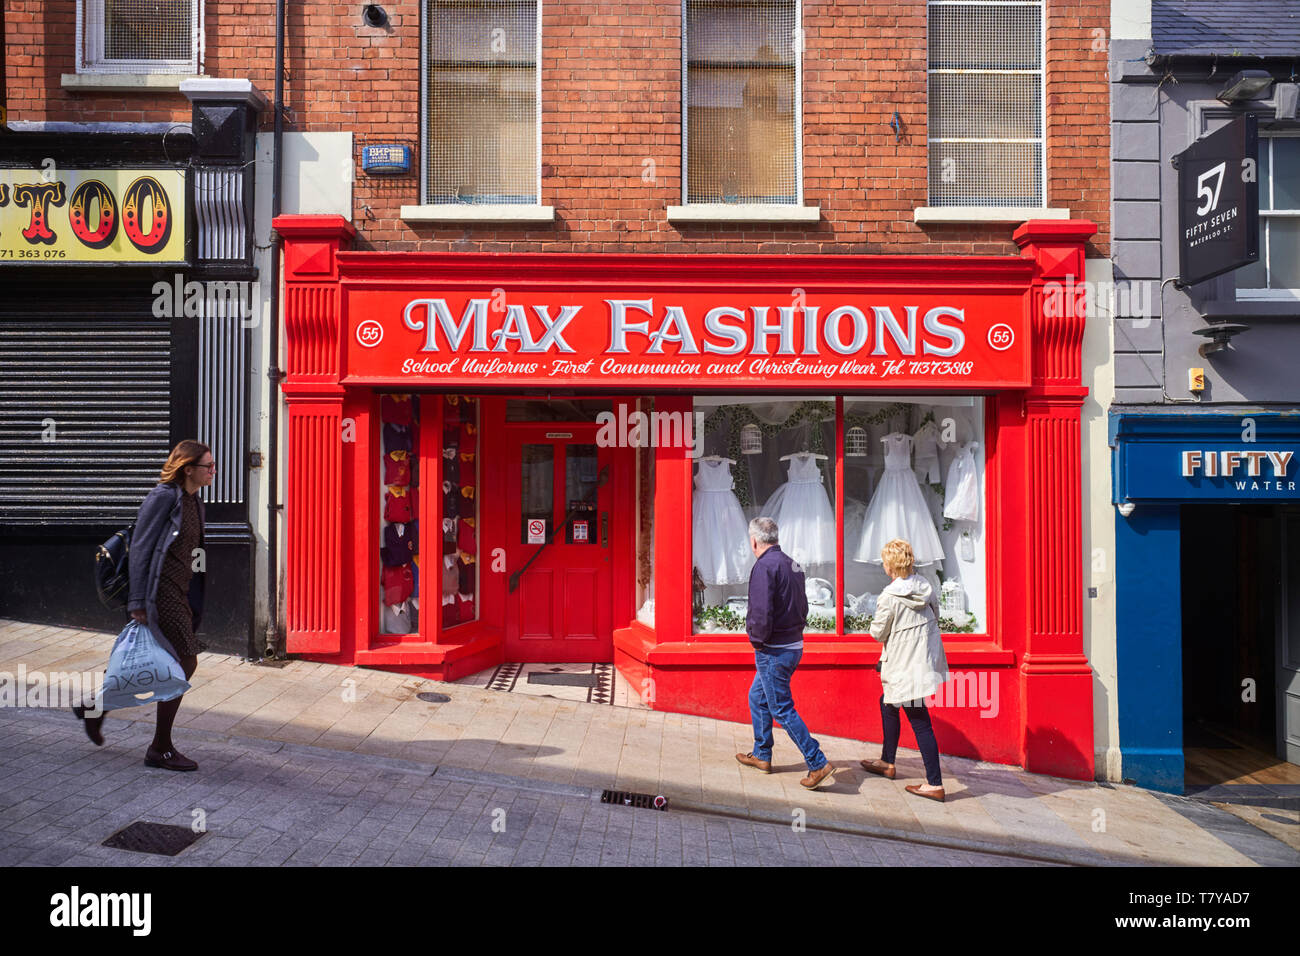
(273, 372)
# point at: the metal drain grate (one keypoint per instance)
(565, 680)
(625, 798)
(430, 697)
(160, 838)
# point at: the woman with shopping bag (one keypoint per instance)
(166, 591)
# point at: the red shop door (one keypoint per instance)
(558, 609)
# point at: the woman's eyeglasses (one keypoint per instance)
(209, 466)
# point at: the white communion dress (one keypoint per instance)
(719, 531)
(963, 500)
(805, 520)
(898, 509)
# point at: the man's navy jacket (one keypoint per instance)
(778, 604)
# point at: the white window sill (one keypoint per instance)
(1268, 295)
(470, 212)
(125, 82)
(985, 213)
(743, 212)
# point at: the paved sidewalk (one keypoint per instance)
(266, 803)
(689, 759)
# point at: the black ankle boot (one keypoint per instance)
(92, 725)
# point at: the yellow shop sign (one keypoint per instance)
(54, 215)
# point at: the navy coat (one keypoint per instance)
(156, 527)
(778, 604)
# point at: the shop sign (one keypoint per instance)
(1170, 471)
(55, 215)
(1218, 202)
(662, 339)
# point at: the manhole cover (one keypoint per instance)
(565, 680)
(429, 697)
(160, 838)
(625, 798)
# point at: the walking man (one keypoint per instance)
(778, 609)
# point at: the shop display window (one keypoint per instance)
(913, 468)
(762, 456)
(399, 560)
(459, 511)
(920, 477)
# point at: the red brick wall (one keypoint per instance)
(611, 89)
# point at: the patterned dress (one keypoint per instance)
(174, 614)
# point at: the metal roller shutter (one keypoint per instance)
(84, 419)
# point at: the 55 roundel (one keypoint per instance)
(1002, 337)
(370, 333)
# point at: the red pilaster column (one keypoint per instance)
(314, 468)
(672, 537)
(1055, 677)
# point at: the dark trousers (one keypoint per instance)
(919, 718)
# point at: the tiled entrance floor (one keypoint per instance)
(586, 683)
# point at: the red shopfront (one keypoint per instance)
(502, 458)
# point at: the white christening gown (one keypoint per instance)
(898, 509)
(805, 520)
(963, 502)
(719, 531)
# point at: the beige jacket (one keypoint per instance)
(912, 662)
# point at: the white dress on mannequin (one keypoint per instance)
(963, 503)
(805, 520)
(898, 509)
(719, 531)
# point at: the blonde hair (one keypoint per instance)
(897, 558)
(183, 455)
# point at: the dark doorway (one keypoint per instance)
(1231, 586)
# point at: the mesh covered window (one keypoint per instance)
(128, 36)
(481, 127)
(741, 96)
(986, 103)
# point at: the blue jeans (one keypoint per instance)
(769, 697)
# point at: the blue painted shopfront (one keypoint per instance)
(1160, 462)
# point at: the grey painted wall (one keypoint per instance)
(1152, 119)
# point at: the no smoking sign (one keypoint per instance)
(536, 531)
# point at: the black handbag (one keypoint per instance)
(112, 570)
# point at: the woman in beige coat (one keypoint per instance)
(912, 665)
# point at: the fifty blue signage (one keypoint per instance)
(1246, 457)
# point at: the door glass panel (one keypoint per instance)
(580, 470)
(537, 494)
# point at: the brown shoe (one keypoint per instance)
(749, 760)
(168, 760)
(928, 794)
(816, 778)
(879, 768)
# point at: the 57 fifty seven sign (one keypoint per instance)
(1218, 202)
(665, 339)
